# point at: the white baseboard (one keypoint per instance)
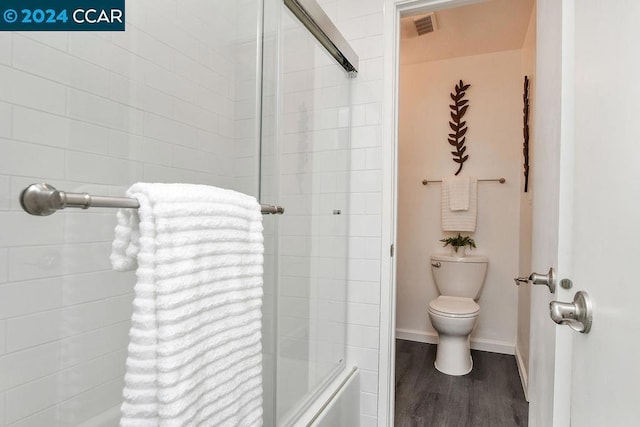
(481, 344)
(417, 336)
(523, 373)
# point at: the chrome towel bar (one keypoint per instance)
(43, 199)
(500, 180)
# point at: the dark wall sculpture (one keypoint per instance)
(525, 147)
(459, 127)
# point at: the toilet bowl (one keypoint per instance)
(454, 313)
(454, 319)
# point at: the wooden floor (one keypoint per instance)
(491, 395)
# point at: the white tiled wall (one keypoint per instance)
(167, 100)
(361, 22)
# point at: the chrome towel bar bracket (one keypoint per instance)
(44, 199)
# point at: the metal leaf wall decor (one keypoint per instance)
(525, 147)
(459, 127)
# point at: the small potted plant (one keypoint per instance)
(459, 244)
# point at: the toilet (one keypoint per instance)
(455, 312)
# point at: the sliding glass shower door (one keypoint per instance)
(305, 167)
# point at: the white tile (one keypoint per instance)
(36, 58)
(362, 357)
(87, 76)
(24, 229)
(92, 48)
(140, 148)
(88, 137)
(22, 298)
(40, 328)
(169, 131)
(363, 314)
(30, 398)
(3, 336)
(5, 47)
(354, 28)
(77, 289)
(84, 347)
(369, 47)
(366, 181)
(373, 114)
(88, 226)
(363, 336)
(156, 173)
(28, 365)
(5, 195)
(92, 168)
(147, 47)
(365, 225)
(131, 92)
(5, 119)
(32, 262)
(374, 158)
(47, 417)
(368, 381)
(94, 403)
(40, 127)
(23, 159)
(367, 92)
(4, 264)
(372, 69)
(374, 24)
(365, 270)
(366, 136)
(373, 248)
(58, 40)
(20, 88)
(37, 395)
(102, 111)
(368, 421)
(369, 404)
(187, 158)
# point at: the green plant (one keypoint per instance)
(459, 241)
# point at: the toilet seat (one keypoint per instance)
(456, 307)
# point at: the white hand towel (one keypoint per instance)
(459, 188)
(460, 220)
(195, 356)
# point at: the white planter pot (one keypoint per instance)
(460, 253)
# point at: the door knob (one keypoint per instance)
(548, 280)
(578, 315)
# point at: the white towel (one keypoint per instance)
(195, 356)
(459, 188)
(462, 220)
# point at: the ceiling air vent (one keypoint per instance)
(425, 23)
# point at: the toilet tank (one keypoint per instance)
(459, 277)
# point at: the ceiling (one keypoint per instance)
(489, 26)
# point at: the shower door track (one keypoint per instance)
(318, 23)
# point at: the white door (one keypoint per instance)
(587, 211)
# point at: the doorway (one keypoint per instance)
(425, 77)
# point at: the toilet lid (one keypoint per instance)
(454, 306)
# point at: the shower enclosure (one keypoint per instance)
(231, 93)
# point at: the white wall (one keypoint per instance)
(95, 113)
(494, 146)
(526, 225)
